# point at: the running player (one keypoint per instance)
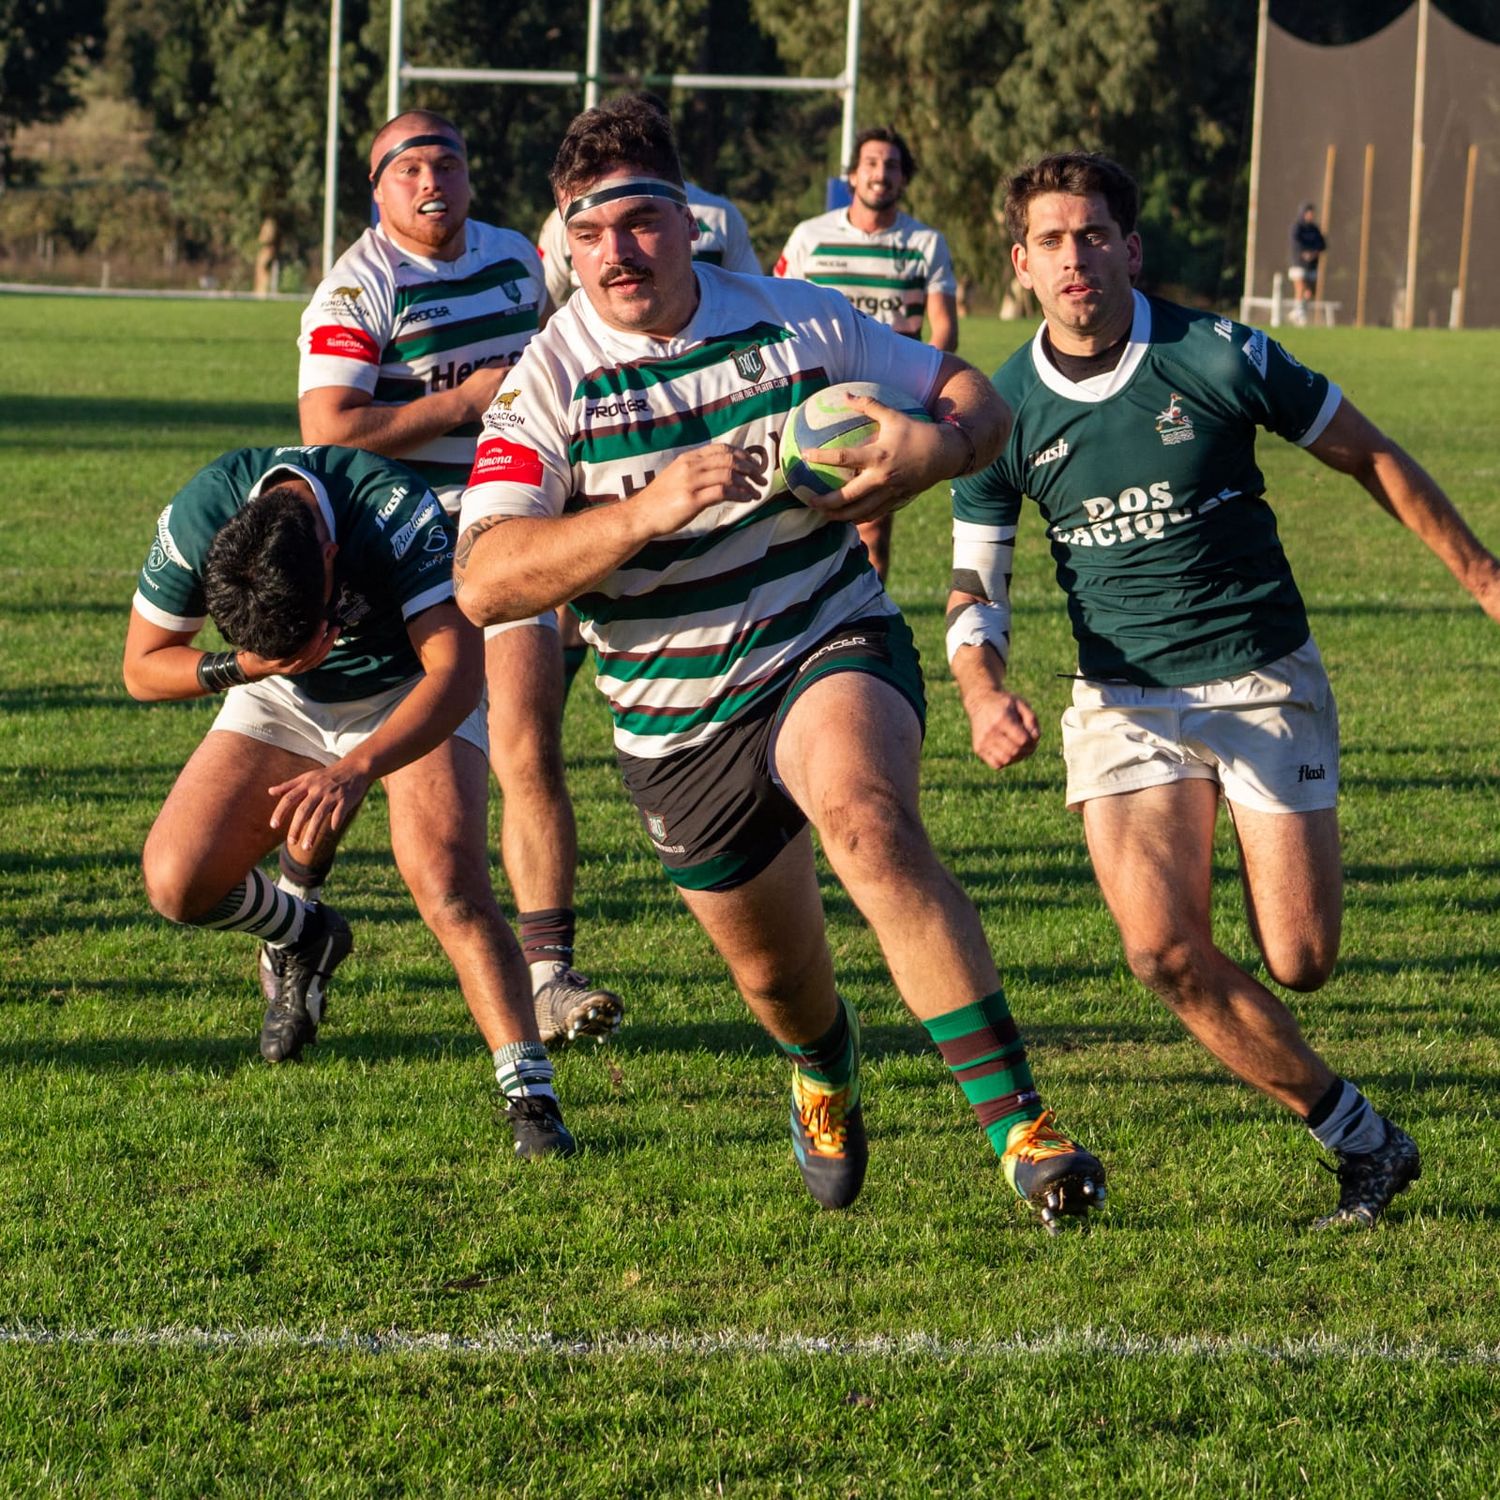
(1136, 423)
(759, 676)
(403, 347)
(887, 264)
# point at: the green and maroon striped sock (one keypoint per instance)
(985, 1053)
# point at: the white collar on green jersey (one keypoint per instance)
(1100, 387)
(269, 480)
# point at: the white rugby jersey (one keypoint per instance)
(699, 625)
(723, 240)
(886, 273)
(402, 326)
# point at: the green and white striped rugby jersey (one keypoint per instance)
(1146, 477)
(400, 326)
(886, 273)
(697, 626)
(395, 556)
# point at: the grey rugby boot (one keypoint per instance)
(1370, 1179)
(570, 1005)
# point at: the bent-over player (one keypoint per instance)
(330, 571)
(403, 347)
(758, 674)
(1135, 431)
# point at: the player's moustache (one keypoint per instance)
(625, 270)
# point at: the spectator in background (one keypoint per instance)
(1308, 246)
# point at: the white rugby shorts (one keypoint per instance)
(276, 712)
(1270, 738)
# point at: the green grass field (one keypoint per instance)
(333, 1279)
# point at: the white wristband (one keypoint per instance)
(980, 625)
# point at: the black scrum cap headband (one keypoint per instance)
(406, 145)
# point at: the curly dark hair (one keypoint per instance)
(631, 131)
(891, 137)
(263, 579)
(1077, 173)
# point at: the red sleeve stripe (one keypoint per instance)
(345, 343)
(496, 459)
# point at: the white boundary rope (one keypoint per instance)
(517, 1341)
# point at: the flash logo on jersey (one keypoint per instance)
(1049, 455)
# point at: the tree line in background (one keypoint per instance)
(186, 131)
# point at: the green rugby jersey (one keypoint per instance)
(698, 627)
(886, 273)
(395, 556)
(400, 325)
(1147, 480)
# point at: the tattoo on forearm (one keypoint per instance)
(465, 546)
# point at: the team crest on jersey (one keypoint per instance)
(1174, 425)
(163, 548)
(512, 290)
(751, 363)
(351, 608)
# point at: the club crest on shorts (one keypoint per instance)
(751, 363)
(656, 825)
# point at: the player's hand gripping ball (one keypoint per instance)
(826, 420)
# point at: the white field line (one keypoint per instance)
(511, 1342)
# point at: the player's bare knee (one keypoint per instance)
(169, 885)
(1302, 969)
(872, 834)
(529, 770)
(1170, 968)
(780, 977)
(457, 910)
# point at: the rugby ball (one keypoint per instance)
(826, 420)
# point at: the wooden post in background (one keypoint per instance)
(1466, 234)
(1366, 204)
(1414, 206)
(1325, 217)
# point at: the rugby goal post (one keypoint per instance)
(845, 84)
